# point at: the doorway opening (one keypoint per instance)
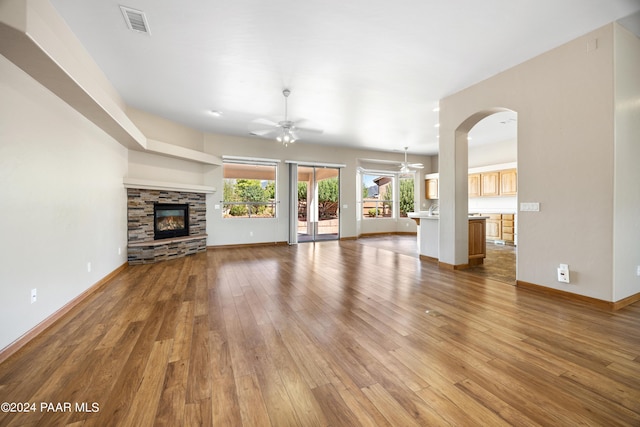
(492, 190)
(318, 203)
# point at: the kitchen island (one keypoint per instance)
(429, 236)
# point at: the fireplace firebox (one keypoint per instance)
(170, 220)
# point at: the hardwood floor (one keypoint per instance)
(331, 333)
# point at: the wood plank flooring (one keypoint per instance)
(331, 333)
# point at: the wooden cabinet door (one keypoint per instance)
(474, 185)
(508, 182)
(477, 239)
(490, 183)
(494, 227)
(431, 188)
(508, 227)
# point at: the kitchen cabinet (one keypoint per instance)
(493, 183)
(508, 227)
(477, 241)
(431, 188)
(494, 227)
(501, 227)
(508, 182)
(474, 185)
(490, 184)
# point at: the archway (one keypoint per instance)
(454, 201)
(492, 192)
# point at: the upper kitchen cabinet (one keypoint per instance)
(490, 184)
(508, 182)
(431, 188)
(474, 185)
(493, 183)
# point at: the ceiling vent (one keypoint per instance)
(135, 19)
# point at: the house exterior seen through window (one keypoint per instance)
(381, 192)
(377, 196)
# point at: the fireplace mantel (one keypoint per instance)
(167, 186)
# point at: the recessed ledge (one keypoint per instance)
(167, 186)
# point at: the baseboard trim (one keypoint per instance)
(15, 346)
(602, 304)
(447, 266)
(626, 301)
(388, 233)
(246, 245)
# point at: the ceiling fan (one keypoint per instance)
(285, 131)
(406, 167)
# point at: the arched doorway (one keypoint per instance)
(454, 186)
(492, 191)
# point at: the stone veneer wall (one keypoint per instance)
(140, 226)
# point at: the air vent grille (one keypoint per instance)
(135, 19)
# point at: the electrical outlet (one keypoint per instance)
(251, 234)
(638, 271)
(88, 267)
(563, 273)
(34, 295)
(119, 251)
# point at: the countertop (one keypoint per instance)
(428, 215)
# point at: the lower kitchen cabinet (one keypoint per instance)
(501, 227)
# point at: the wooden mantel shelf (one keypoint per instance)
(167, 186)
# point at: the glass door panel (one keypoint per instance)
(318, 203)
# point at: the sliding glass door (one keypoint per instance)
(318, 213)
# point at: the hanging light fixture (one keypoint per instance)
(286, 134)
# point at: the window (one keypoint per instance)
(377, 195)
(407, 199)
(249, 189)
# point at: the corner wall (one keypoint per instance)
(564, 100)
(627, 173)
(63, 203)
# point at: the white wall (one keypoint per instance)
(627, 171)
(62, 203)
(564, 101)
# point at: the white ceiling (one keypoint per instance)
(368, 72)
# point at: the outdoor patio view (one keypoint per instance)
(318, 203)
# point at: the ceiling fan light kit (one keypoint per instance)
(285, 131)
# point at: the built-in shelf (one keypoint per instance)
(167, 186)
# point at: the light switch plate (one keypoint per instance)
(530, 207)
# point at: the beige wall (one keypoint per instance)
(565, 104)
(63, 203)
(626, 248)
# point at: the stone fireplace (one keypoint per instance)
(164, 225)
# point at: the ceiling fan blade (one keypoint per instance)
(265, 122)
(263, 132)
(416, 165)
